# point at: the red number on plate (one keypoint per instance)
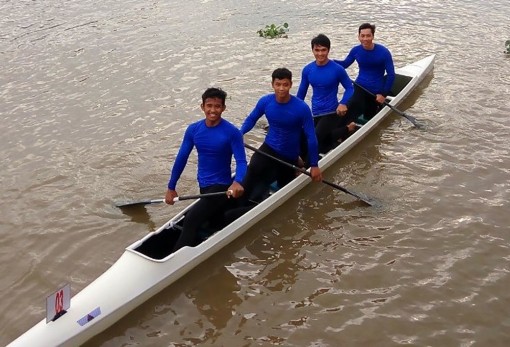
(59, 301)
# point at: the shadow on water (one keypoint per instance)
(139, 214)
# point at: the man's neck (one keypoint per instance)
(322, 63)
(371, 47)
(284, 99)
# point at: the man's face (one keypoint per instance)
(321, 54)
(282, 87)
(213, 108)
(366, 38)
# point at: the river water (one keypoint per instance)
(94, 99)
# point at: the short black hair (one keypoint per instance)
(367, 26)
(214, 93)
(321, 40)
(281, 73)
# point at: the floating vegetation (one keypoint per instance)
(274, 31)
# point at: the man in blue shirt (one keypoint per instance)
(288, 117)
(329, 113)
(216, 141)
(374, 60)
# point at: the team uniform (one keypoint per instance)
(324, 80)
(215, 147)
(373, 64)
(286, 123)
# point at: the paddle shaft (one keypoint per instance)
(303, 171)
(403, 114)
(177, 198)
(326, 114)
(198, 196)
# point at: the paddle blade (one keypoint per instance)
(412, 120)
(367, 200)
(139, 203)
(363, 198)
(359, 196)
(406, 115)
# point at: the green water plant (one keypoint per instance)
(274, 31)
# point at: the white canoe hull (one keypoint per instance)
(135, 277)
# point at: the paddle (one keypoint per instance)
(366, 200)
(326, 114)
(403, 114)
(178, 198)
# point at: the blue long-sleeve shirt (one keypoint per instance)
(372, 66)
(286, 122)
(324, 80)
(215, 147)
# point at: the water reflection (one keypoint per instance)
(139, 214)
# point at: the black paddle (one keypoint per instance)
(158, 201)
(403, 114)
(365, 199)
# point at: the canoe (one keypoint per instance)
(146, 267)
